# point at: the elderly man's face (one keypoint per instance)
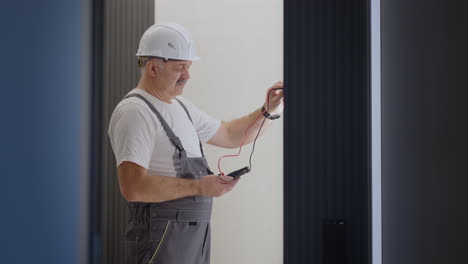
(173, 76)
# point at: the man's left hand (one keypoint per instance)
(275, 104)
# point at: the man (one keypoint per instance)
(157, 139)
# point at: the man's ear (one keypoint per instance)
(151, 68)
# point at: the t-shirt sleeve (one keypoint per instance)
(205, 124)
(132, 134)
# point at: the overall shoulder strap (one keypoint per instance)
(174, 139)
(188, 114)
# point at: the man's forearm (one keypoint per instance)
(237, 127)
(161, 188)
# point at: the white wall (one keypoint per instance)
(241, 46)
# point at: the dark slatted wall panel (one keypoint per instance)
(124, 23)
(327, 164)
(121, 25)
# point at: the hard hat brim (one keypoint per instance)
(194, 58)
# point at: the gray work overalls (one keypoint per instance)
(177, 231)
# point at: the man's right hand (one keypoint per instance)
(211, 186)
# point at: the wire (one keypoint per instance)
(240, 148)
(253, 146)
(245, 133)
(260, 129)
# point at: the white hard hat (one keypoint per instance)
(168, 41)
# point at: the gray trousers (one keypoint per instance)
(167, 236)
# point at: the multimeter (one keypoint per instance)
(239, 172)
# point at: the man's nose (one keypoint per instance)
(186, 74)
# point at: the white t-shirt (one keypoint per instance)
(136, 134)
